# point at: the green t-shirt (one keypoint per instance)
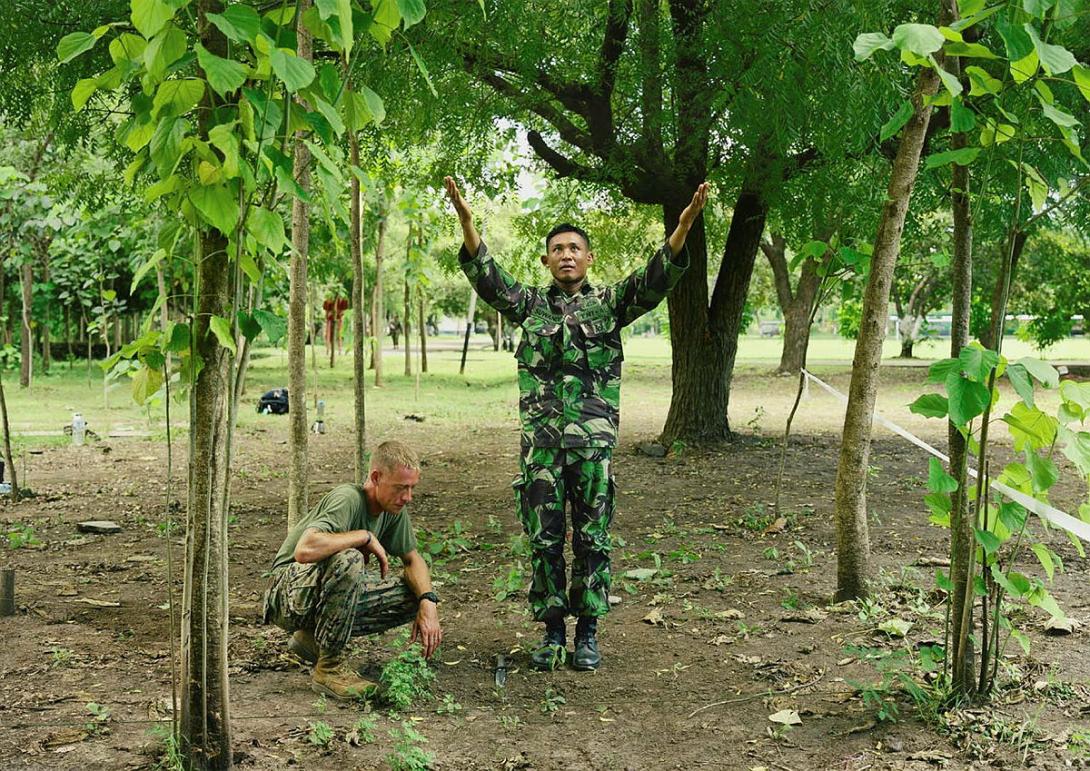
(342, 509)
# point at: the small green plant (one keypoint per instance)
(22, 537)
(408, 755)
(170, 759)
(510, 722)
(805, 556)
(509, 584)
(552, 701)
(771, 553)
(519, 546)
(405, 678)
(449, 705)
(684, 555)
(320, 704)
(754, 423)
(755, 518)
(363, 730)
(445, 544)
(894, 669)
(494, 525)
(790, 600)
(61, 657)
(320, 734)
(100, 715)
(718, 581)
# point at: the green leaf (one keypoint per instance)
(1076, 394)
(1030, 426)
(920, 39)
(1020, 379)
(895, 627)
(951, 83)
(296, 73)
(145, 383)
(969, 50)
(178, 338)
(1076, 448)
(423, 70)
(940, 370)
(164, 49)
(221, 328)
(412, 11)
(940, 506)
(239, 22)
(1055, 59)
(177, 96)
(930, 406)
(1037, 8)
(966, 398)
(1009, 586)
(149, 16)
(224, 75)
(897, 122)
(224, 139)
(977, 362)
(249, 266)
(272, 325)
(1025, 68)
(1012, 515)
(218, 205)
(989, 541)
(82, 91)
(980, 82)
(147, 265)
(385, 20)
(938, 481)
(72, 45)
(962, 157)
(267, 228)
(282, 16)
(942, 580)
(1044, 556)
(962, 119)
(166, 145)
(1082, 80)
(1017, 42)
(127, 47)
(344, 16)
(1043, 471)
(330, 114)
(248, 325)
(1043, 372)
(867, 43)
(1041, 598)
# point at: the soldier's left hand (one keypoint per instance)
(700, 197)
(426, 628)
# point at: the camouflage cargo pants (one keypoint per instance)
(336, 599)
(582, 478)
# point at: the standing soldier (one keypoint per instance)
(569, 363)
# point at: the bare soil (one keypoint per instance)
(696, 658)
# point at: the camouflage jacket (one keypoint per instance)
(569, 358)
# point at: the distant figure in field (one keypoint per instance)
(319, 585)
(334, 308)
(395, 329)
(569, 374)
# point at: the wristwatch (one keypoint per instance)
(429, 596)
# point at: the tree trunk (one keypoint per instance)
(962, 542)
(5, 329)
(9, 458)
(45, 331)
(297, 322)
(907, 344)
(379, 303)
(853, 545)
(796, 306)
(205, 708)
(1014, 252)
(359, 359)
(164, 312)
(423, 328)
(407, 310)
(26, 346)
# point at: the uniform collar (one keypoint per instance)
(557, 292)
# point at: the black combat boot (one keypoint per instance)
(552, 652)
(587, 658)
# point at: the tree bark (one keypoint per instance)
(796, 305)
(205, 708)
(9, 458)
(45, 332)
(1014, 252)
(26, 345)
(423, 328)
(297, 322)
(359, 330)
(407, 332)
(379, 303)
(853, 544)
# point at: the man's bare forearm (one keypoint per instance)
(417, 575)
(316, 545)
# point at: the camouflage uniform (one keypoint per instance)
(569, 373)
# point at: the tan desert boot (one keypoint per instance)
(337, 681)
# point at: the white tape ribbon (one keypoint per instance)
(1048, 513)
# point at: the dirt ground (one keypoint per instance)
(733, 627)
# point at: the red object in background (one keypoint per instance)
(334, 316)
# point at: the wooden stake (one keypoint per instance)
(7, 592)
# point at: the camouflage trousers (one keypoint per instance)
(583, 479)
(336, 599)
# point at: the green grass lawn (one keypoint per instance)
(442, 392)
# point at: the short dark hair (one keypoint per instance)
(567, 227)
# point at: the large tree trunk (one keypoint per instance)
(379, 303)
(359, 331)
(205, 708)
(297, 321)
(853, 544)
(961, 527)
(26, 344)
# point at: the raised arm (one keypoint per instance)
(646, 288)
(496, 286)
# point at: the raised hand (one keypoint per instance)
(700, 197)
(455, 196)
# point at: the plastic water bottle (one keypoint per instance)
(79, 429)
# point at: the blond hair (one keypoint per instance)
(392, 454)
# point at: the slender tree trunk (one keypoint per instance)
(205, 708)
(9, 458)
(423, 331)
(853, 544)
(359, 333)
(164, 310)
(407, 310)
(5, 328)
(46, 332)
(379, 303)
(297, 365)
(245, 346)
(796, 306)
(988, 339)
(961, 526)
(26, 346)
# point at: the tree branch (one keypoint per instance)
(775, 251)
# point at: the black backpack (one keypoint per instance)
(274, 402)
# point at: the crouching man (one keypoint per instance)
(322, 588)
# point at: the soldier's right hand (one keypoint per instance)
(455, 196)
(371, 546)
